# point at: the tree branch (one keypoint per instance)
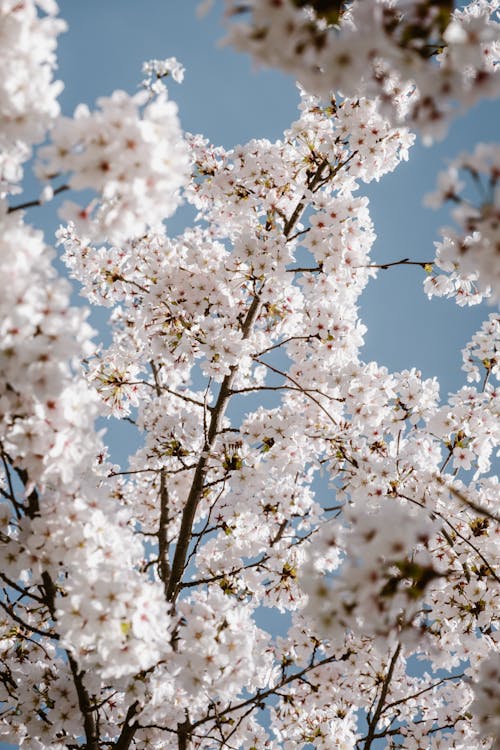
(404, 262)
(217, 414)
(24, 625)
(262, 695)
(18, 507)
(49, 591)
(37, 202)
(225, 393)
(128, 729)
(372, 726)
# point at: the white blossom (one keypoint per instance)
(28, 93)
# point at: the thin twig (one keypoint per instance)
(305, 391)
(403, 262)
(286, 341)
(37, 202)
(455, 531)
(425, 690)
(299, 269)
(470, 503)
(26, 626)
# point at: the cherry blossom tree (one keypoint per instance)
(350, 499)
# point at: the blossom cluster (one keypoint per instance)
(481, 356)
(131, 152)
(486, 699)
(420, 60)
(156, 70)
(28, 93)
(469, 258)
(62, 531)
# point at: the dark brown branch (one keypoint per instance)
(163, 541)
(188, 515)
(227, 574)
(470, 503)
(403, 262)
(49, 591)
(90, 725)
(24, 592)
(11, 495)
(133, 471)
(372, 725)
(129, 728)
(24, 625)
(37, 202)
(382, 266)
(299, 269)
(298, 234)
(183, 734)
(297, 389)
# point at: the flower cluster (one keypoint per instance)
(227, 305)
(470, 258)
(156, 70)
(63, 534)
(481, 357)
(382, 579)
(131, 152)
(486, 704)
(28, 93)
(419, 59)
